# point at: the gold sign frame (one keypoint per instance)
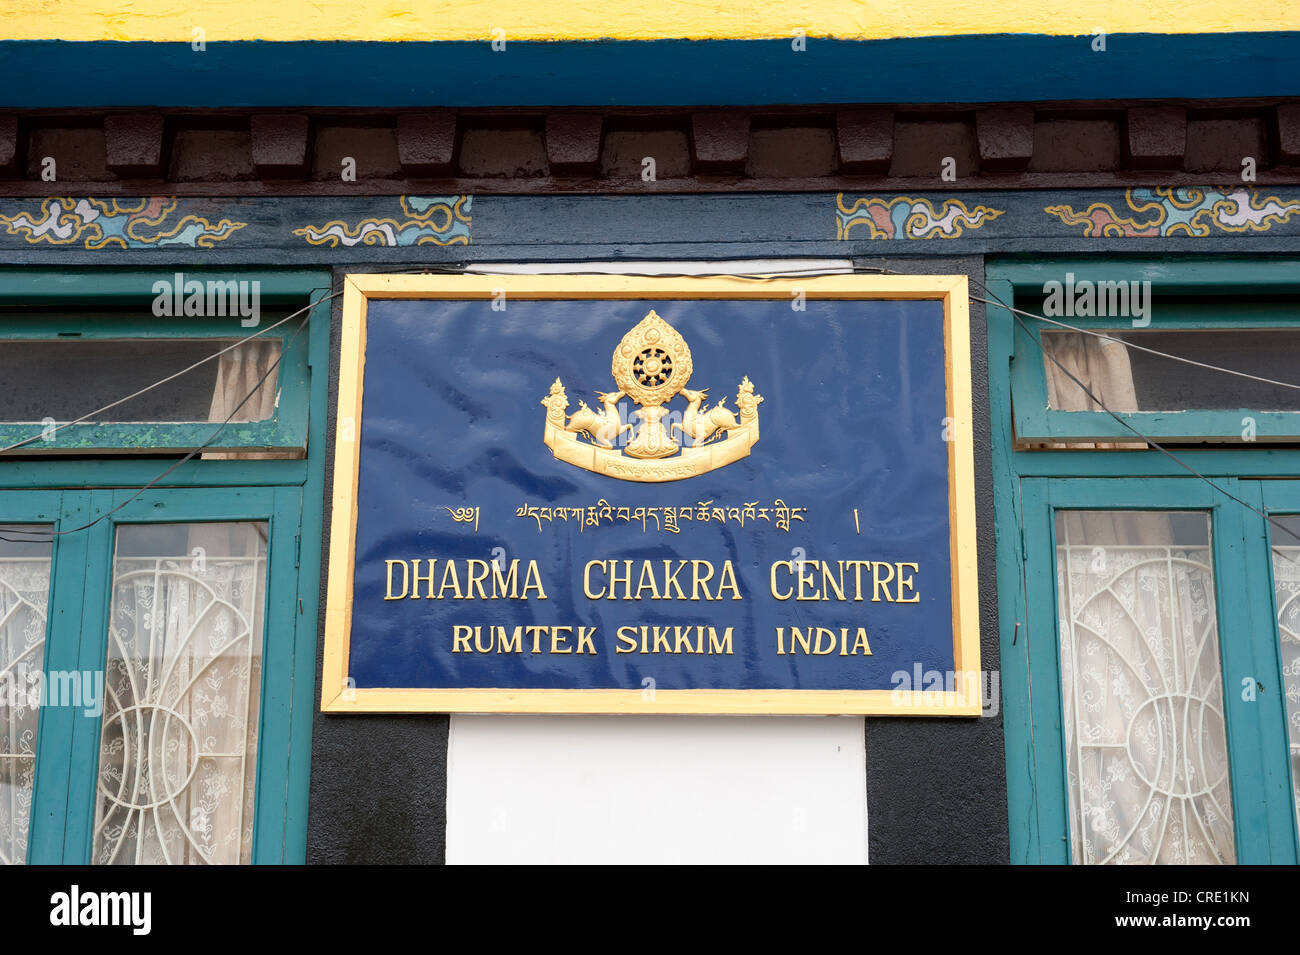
(962, 699)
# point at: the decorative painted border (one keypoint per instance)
(104, 223)
(903, 217)
(1180, 210)
(337, 696)
(431, 220)
(254, 231)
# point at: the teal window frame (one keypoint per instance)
(69, 491)
(1029, 484)
(110, 290)
(1263, 814)
(67, 750)
(1230, 284)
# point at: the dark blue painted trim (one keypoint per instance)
(43, 74)
(561, 250)
(507, 228)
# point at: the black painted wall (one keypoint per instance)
(378, 783)
(936, 787)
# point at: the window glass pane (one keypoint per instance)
(178, 749)
(1146, 747)
(1127, 379)
(64, 379)
(1286, 584)
(24, 598)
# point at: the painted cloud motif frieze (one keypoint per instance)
(91, 223)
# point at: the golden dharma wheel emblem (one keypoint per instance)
(652, 365)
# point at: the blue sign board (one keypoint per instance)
(598, 495)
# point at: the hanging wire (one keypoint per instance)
(863, 269)
(212, 438)
(462, 268)
(44, 435)
(199, 450)
(1128, 344)
(751, 277)
(1016, 313)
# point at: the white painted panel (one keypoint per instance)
(656, 789)
(670, 267)
(659, 789)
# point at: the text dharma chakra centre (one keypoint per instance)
(847, 581)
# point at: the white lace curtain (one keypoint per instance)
(24, 595)
(1146, 752)
(178, 753)
(1286, 585)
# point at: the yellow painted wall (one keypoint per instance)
(176, 20)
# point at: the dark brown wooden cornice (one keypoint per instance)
(830, 148)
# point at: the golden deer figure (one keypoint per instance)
(601, 426)
(701, 423)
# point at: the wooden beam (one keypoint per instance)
(720, 142)
(8, 144)
(1006, 138)
(1157, 137)
(866, 141)
(133, 144)
(1288, 134)
(280, 144)
(573, 143)
(426, 144)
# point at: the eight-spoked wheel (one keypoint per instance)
(653, 367)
